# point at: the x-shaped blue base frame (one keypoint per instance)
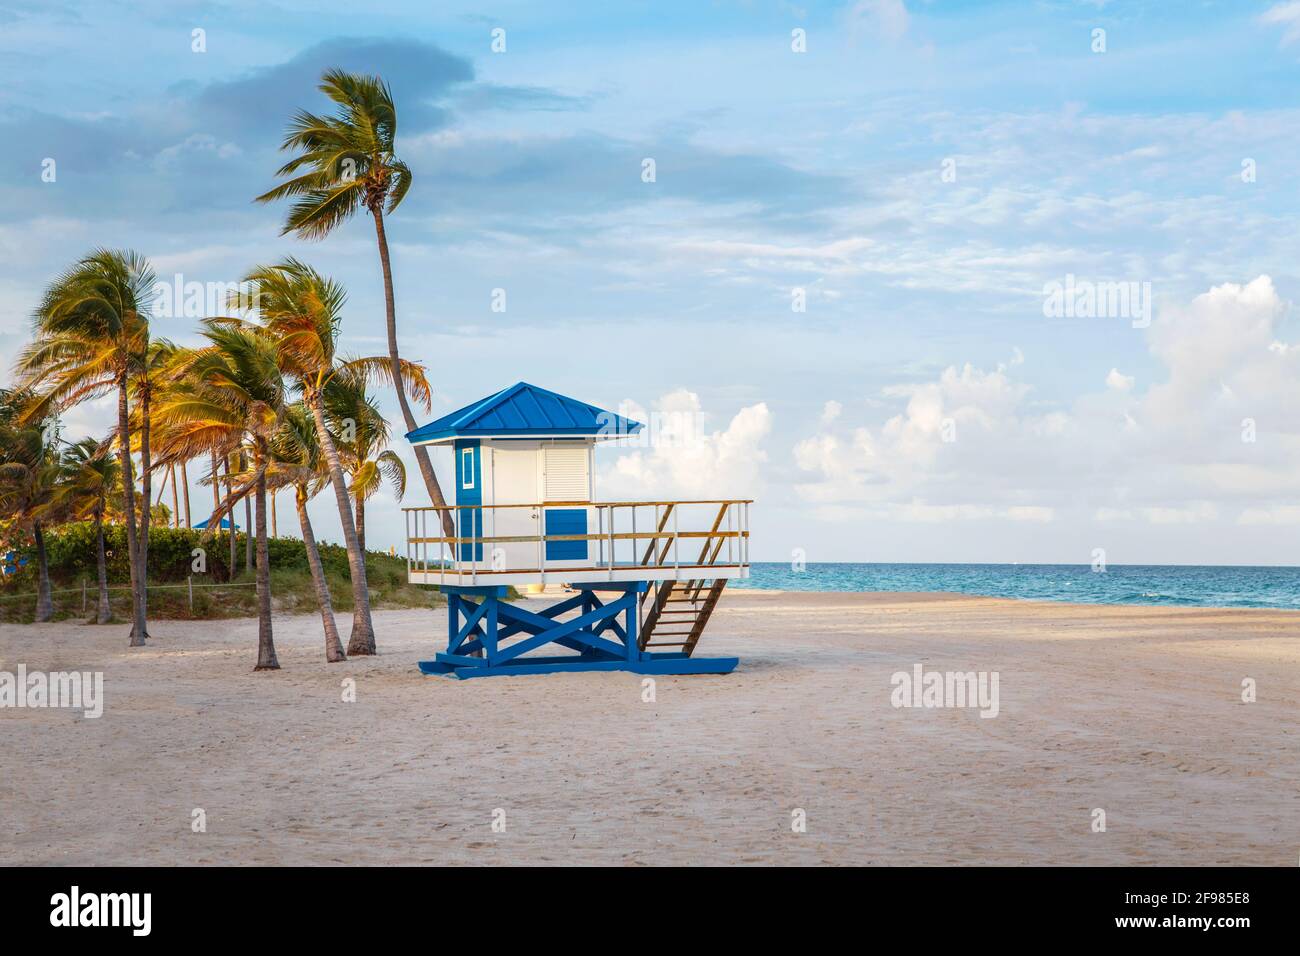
(487, 636)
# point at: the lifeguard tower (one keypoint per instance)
(647, 574)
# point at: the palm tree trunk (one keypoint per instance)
(333, 646)
(362, 639)
(146, 486)
(185, 483)
(176, 504)
(230, 487)
(421, 453)
(44, 599)
(216, 482)
(216, 505)
(266, 659)
(361, 524)
(128, 494)
(103, 613)
(248, 522)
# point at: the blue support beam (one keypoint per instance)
(492, 637)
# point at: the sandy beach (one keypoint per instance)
(1136, 711)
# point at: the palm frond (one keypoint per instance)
(394, 470)
(356, 141)
(316, 214)
(381, 368)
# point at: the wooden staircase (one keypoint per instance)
(680, 609)
(678, 612)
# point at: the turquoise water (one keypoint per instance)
(1190, 586)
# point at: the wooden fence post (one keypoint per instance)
(190, 581)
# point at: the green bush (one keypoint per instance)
(71, 552)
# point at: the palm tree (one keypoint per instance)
(232, 565)
(361, 434)
(297, 463)
(157, 356)
(87, 477)
(174, 478)
(185, 492)
(234, 400)
(300, 312)
(153, 372)
(350, 164)
(92, 336)
(28, 477)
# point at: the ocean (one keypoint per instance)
(1173, 585)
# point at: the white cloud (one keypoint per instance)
(1112, 514)
(196, 143)
(1222, 359)
(916, 458)
(1030, 513)
(1287, 16)
(1279, 514)
(1215, 434)
(1118, 381)
(683, 458)
(1203, 511)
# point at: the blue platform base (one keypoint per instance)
(560, 665)
(479, 636)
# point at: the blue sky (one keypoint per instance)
(776, 171)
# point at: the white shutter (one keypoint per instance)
(566, 473)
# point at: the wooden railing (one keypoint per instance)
(723, 534)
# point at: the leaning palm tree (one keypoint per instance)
(92, 337)
(300, 312)
(88, 477)
(235, 400)
(296, 454)
(345, 163)
(361, 434)
(158, 355)
(28, 478)
(153, 372)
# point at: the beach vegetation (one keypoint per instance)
(265, 400)
(215, 595)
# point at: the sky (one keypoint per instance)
(835, 293)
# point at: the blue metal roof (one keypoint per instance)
(223, 526)
(525, 411)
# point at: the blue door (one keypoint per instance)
(566, 521)
(469, 491)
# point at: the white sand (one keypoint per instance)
(1134, 710)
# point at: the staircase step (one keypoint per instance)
(700, 595)
(710, 602)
